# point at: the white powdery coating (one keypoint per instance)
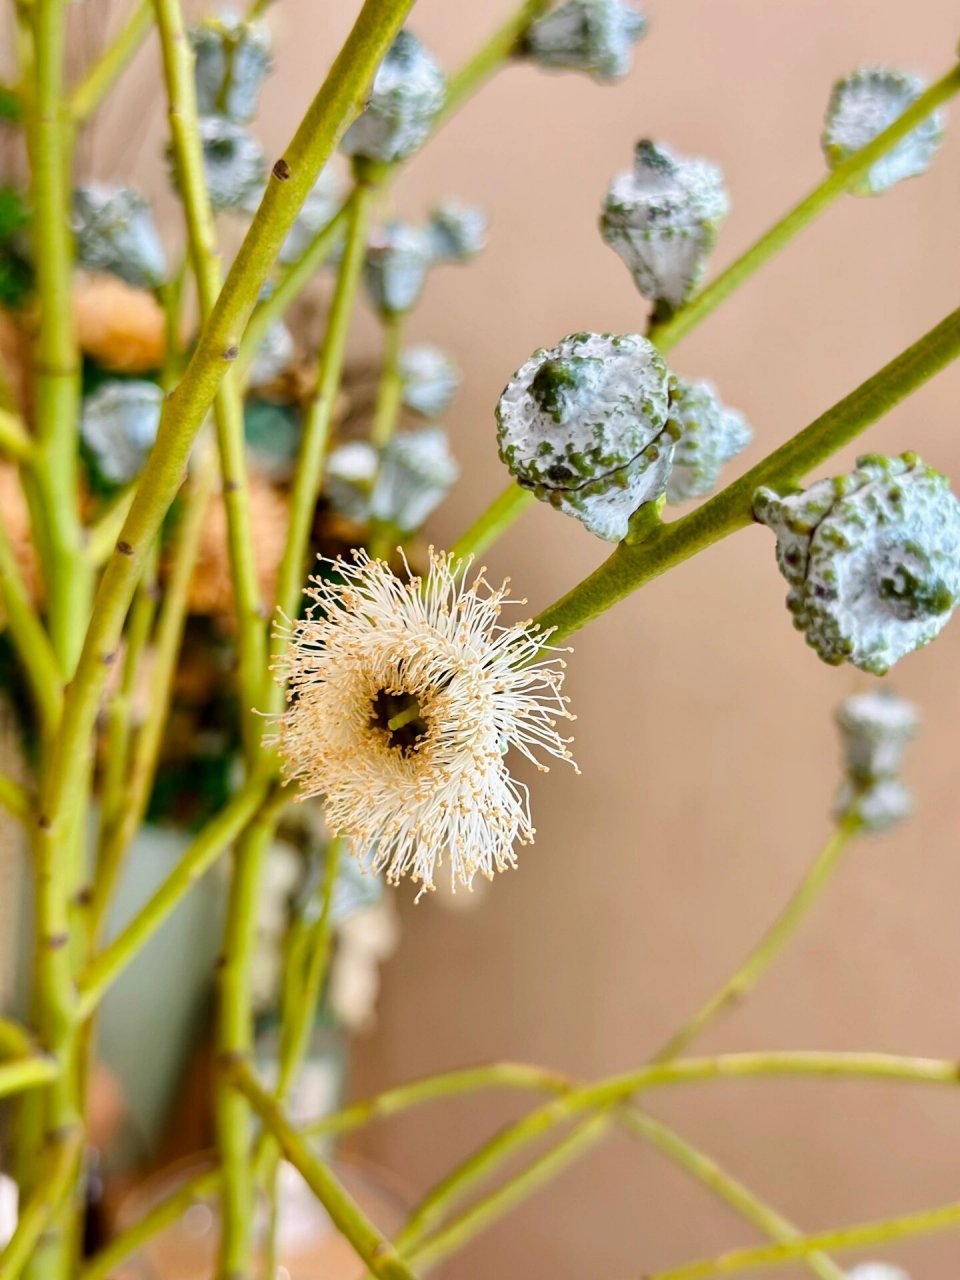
(232, 58)
(594, 36)
(662, 220)
(710, 435)
(457, 231)
(401, 486)
(395, 267)
(119, 425)
(430, 379)
(865, 103)
(876, 728)
(233, 163)
(408, 91)
(872, 558)
(585, 426)
(115, 232)
(480, 688)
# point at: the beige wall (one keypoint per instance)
(704, 731)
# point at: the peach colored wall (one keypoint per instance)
(704, 731)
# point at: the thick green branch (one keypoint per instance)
(630, 567)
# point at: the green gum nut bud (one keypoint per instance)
(872, 559)
(118, 426)
(408, 91)
(586, 427)
(710, 435)
(458, 232)
(231, 61)
(592, 36)
(233, 164)
(662, 219)
(115, 232)
(320, 207)
(865, 103)
(395, 268)
(430, 379)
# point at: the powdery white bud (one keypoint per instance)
(458, 232)
(593, 36)
(115, 232)
(401, 486)
(119, 425)
(585, 426)
(232, 58)
(710, 435)
(408, 91)
(233, 163)
(865, 103)
(430, 379)
(662, 220)
(395, 268)
(875, 729)
(872, 559)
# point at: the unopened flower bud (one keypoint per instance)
(872, 559)
(710, 435)
(119, 426)
(401, 486)
(115, 232)
(662, 219)
(457, 231)
(865, 103)
(408, 91)
(430, 379)
(232, 58)
(593, 36)
(875, 729)
(233, 163)
(396, 265)
(274, 355)
(586, 427)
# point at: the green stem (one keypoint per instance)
(846, 175)
(15, 1041)
(228, 406)
(390, 391)
(27, 1073)
(235, 1035)
(111, 64)
(15, 441)
(201, 855)
(770, 945)
(727, 1188)
(608, 1093)
(500, 48)
(335, 105)
(855, 1237)
(45, 1201)
(15, 798)
(497, 518)
(370, 1246)
(103, 533)
(30, 639)
(504, 1199)
(630, 567)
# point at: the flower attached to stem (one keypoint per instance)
(403, 700)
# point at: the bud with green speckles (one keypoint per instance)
(232, 58)
(119, 426)
(875, 729)
(115, 232)
(408, 91)
(662, 219)
(865, 103)
(593, 36)
(430, 379)
(872, 559)
(458, 232)
(399, 256)
(586, 427)
(234, 165)
(710, 435)
(399, 486)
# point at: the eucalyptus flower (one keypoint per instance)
(457, 231)
(586, 426)
(395, 269)
(399, 486)
(115, 232)
(875, 728)
(231, 60)
(872, 559)
(403, 699)
(594, 36)
(662, 219)
(710, 435)
(430, 379)
(119, 426)
(408, 91)
(865, 103)
(319, 208)
(233, 162)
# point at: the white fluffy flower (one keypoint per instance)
(403, 700)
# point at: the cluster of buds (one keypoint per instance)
(592, 36)
(232, 58)
(865, 103)
(872, 559)
(397, 487)
(400, 254)
(408, 91)
(875, 729)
